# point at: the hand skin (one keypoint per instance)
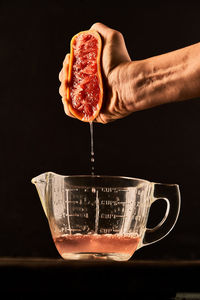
(131, 86)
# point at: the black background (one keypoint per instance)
(161, 144)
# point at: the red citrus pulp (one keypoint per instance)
(85, 87)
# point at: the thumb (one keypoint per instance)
(102, 29)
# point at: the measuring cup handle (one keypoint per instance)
(171, 194)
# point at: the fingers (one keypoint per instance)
(65, 63)
(103, 118)
(102, 29)
(66, 108)
(114, 47)
(66, 60)
(63, 76)
(107, 33)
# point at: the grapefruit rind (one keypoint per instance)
(76, 113)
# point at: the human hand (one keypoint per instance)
(130, 86)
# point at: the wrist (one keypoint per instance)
(130, 84)
(121, 79)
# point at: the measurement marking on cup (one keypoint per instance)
(80, 215)
(97, 212)
(112, 202)
(68, 220)
(111, 216)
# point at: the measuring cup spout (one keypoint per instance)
(41, 183)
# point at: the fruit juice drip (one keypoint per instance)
(92, 148)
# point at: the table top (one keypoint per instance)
(44, 275)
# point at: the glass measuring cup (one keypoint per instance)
(104, 217)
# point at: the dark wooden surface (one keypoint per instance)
(141, 278)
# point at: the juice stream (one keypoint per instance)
(92, 147)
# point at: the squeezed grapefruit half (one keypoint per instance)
(85, 87)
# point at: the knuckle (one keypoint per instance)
(60, 76)
(102, 119)
(65, 106)
(66, 109)
(116, 35)
(61, 90)
(96, 25)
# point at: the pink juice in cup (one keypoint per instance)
(97, 245)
